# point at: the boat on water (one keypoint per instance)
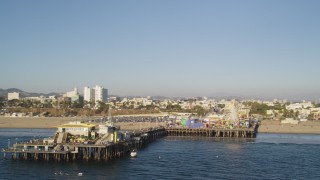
(133, 153)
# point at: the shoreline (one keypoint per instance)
(37, 122)
(275, 126)
(287, 132)
(266, 126)
(52, 122)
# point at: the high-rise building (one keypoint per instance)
(100, 94)
(88, 94)
(96, 94)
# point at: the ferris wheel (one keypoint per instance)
(231, 114)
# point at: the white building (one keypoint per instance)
(74, 95)
(88, 94)
(297, 106)
(70, 94)
(53, 98)
(96, 94)
(13, 95)
(76, 128)
(42, 99)
(100, 94)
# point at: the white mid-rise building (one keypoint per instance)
(88, 94)
(71, 94)
(100, 94)
(96, 94)
(13, 95)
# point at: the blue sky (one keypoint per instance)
(267, 48)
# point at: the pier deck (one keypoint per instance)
(71, 151)
(80, 151)
(212, 132)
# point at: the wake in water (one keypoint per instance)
(61, 173)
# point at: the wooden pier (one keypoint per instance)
(35, 150)
(72, 152)
(213, 132)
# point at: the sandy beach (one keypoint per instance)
(36, 122)
(266, 126)
(272, 126)
(52, 122)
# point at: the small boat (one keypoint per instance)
(133, 153)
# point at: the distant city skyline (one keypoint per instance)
(163, 48)
(290, 97)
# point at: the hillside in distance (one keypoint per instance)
(4, 93)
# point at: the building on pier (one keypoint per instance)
(41, 150)
(103, 149)
(77, 128)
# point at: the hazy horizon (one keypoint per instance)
(219, 95)
(180, 48)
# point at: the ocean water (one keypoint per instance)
(269, 156)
